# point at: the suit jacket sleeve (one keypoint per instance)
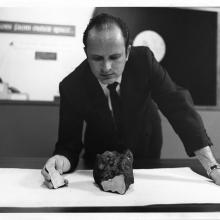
(177, 105)
(69, 142)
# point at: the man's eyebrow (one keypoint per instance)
(115, 54)
(111, 55)
(96, 55)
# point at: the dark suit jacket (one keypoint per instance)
(82, 99)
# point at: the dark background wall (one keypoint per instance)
(191, 44)
(28, 129)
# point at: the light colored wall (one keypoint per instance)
(18, 66)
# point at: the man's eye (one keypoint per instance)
(97, 58)
(115, 57)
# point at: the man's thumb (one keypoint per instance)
(59, 165)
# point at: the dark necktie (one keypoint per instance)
(115, 101)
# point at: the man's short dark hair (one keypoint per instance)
(100, 21)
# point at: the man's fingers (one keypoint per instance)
(66, 182)
(45, 174)
(50, 163)
(59, 166)
(48, 184)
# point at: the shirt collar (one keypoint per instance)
(105, 85)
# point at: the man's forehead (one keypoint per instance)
(106, 32)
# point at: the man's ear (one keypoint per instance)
(128, 52)
(85, 51)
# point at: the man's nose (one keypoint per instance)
(106, 66)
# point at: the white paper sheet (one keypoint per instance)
(25, 188)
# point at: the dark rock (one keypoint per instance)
(114, 171)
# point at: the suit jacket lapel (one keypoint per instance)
(96, 95)
(130, 99)
(129, 91)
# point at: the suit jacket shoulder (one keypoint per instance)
(77, 76)
(141, 53)
(140, 60)
(75, 82)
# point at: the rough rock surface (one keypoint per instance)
(114, 171)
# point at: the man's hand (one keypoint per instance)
(215, 175)
(58, 162)
(207, 159)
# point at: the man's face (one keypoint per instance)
(106, 53)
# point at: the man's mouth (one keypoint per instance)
(107, 76)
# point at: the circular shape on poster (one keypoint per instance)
(154, 41)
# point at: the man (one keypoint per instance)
(86, 95)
